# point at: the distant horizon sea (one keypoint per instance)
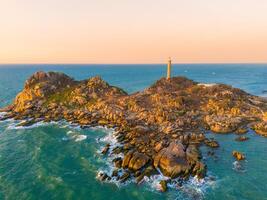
(61, 161)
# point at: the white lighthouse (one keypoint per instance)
(169, 66)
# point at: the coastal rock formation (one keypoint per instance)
(177, 159)
(211, 143)
(163, 186)
(223, 124)
(241, 138)
(261, 128)
(39, 86)
(158, 129)
(238, 155)
(172, 160)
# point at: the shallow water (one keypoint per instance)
(59, 161)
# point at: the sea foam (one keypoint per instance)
(239, 166)
(14, 125)
(78, 138)
(2, 114)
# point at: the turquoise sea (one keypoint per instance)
(59, 161)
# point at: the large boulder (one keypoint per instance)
(238, 155)
(127, 159)
(222, 123)
(135, 160)
(172, 160)
(138, 161)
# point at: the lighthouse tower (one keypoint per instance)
(169, 66)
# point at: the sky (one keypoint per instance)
(133, 31)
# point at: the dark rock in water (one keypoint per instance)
(124, 177)
(117, 162)
(120, 138)
(150, 170)
(238, 155)
(211, 153)
(115, 173)
(139, 178)
(211, 143)
(117, 150)
(163, 185)
(199, 169)
(85, 127)
(241, 138)
(105, 150)
(102, 176)
(7, 116)
(26, 123)
(137, 173)
(4, 118)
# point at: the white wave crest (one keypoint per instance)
(239, 166)
(78, 138)
(14, 125)
(2, 114)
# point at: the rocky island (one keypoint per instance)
(158, 130)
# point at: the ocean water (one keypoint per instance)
(59, 161)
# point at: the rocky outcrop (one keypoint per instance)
(223, 124)
(135, 160)
(176, 160)
(39, 86)
(158, 129)
(163, 185)
(238, 155)
(241, 138)
(211, 143)
(172, 160)
(260, 128)
(138, 161)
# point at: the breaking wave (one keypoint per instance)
(239, 166)
(2, 114)
(14, 125)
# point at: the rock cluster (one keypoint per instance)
(158, 129)
(241, 138)
(261, 128)
(238, 155)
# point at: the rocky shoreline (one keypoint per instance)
(158, 130)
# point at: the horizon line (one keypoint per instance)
(152, 63)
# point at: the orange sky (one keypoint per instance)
(133, 31)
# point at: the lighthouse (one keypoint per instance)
(169, 66)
